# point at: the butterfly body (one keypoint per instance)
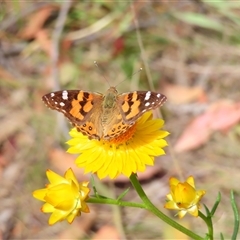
(103, 116)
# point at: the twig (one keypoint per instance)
(15, 17)
(143, 52)
(7, 64)
(55, 52)
(84, 35)
(56, 39)
(97, 26)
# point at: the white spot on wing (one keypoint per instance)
(62, 104)
(147, 104)
(56, 103)
(158, 95)
(148, 94)
(65, 95)
(52, 94)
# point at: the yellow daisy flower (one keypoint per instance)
(184, 197)
(64, 197)
(126, 154)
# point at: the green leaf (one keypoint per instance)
(208, 213)
(216, 204)
(221, 236)
(223, 4)
(123, 194)
(199, 20)
(236, 217)
(226, 8)
(94, 187)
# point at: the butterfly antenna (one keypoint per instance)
(96, 64)
(139, 70)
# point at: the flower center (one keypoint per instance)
(123, 138)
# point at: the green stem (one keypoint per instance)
(115, 202)
(157, 212)
(208, 221)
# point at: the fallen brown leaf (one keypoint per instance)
(225, 113)
(220, 116)
(36, 21)
(43, 39)
(178, 94)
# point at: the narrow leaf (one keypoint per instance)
(216, 204)
(208, 213)
(221, 236)
(226, 5)
(199, 20)
(236, 216)
(122, 195)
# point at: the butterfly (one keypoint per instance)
(103, 116)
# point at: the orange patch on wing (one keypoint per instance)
(134, 97)
(87, 107)
(80, 96)
(90, 97)
(134, 110)
(75, 111)
(125, 106)
(126, 97)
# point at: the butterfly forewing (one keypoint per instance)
(134, 104)
(76, 105)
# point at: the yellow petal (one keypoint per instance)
(40, 194)
(64, 197)
(129, 153)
